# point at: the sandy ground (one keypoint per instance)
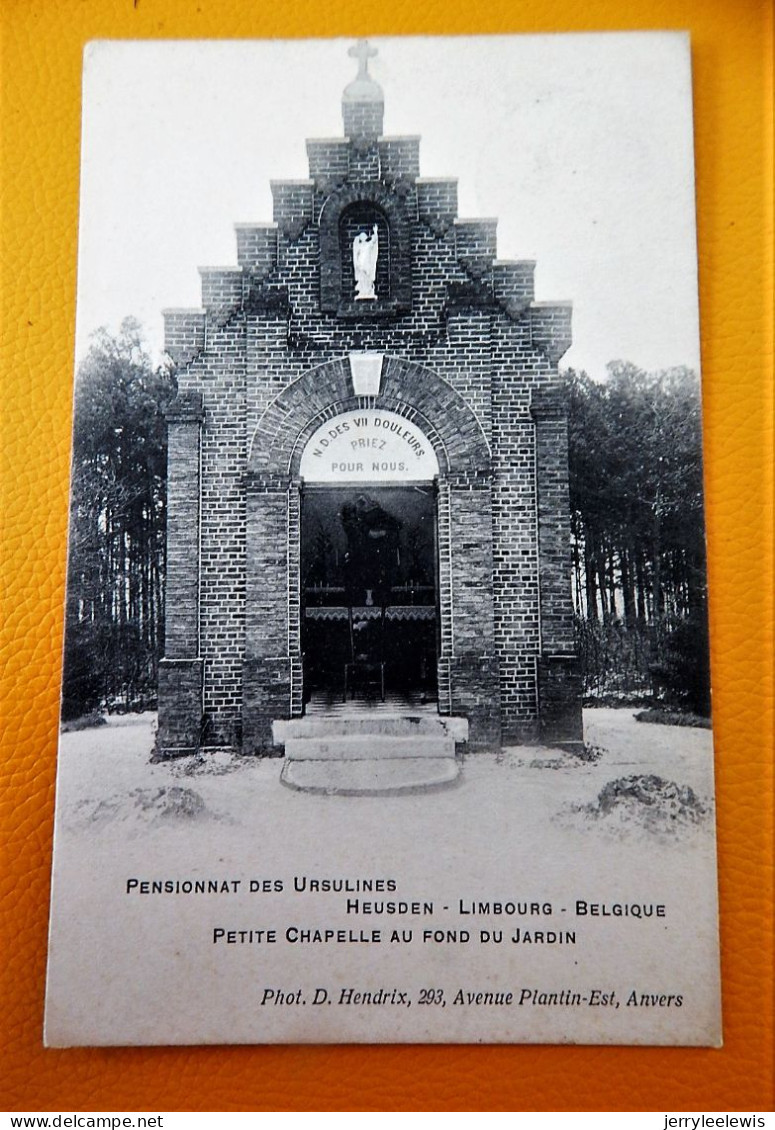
(106, 777)
(633, 827)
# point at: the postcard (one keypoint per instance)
(386, 694)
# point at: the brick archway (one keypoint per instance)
(411, 390)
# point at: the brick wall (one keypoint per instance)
(475, 688)
(180, 707)
(184, 334)
(399, 157)
(184, 419)
(266, 673)
(551, 430)
(180, 672)
(257, 249)
(329, 158)
(362, 119)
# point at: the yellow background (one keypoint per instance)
(42, 41)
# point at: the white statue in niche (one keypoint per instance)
(365, 251)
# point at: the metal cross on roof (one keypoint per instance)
(362, 52)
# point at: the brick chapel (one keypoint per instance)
(367, 468)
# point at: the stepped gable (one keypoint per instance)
(357, 179)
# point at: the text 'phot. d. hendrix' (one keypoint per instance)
(386, 698)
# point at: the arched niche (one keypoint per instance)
(394, 291)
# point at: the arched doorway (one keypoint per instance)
(432, 421)
(369, 591)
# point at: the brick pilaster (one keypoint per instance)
(180, 672)
(267, 665)
(473, 665)
(559, 680)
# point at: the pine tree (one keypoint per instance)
(638, 532)
(117, 526)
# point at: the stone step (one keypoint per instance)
(371, 777)
(353, 723)
(369, 747)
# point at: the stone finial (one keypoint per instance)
(362, 52)
(363, 88)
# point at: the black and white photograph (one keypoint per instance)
(386, 697)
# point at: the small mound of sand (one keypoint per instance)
(571, 757)
(643, 803)
(173, 803)
(159, 805)
(669, 799)
(206, 764)
(588, 753)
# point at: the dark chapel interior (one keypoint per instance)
(368, 573)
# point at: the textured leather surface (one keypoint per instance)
(42, 45)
